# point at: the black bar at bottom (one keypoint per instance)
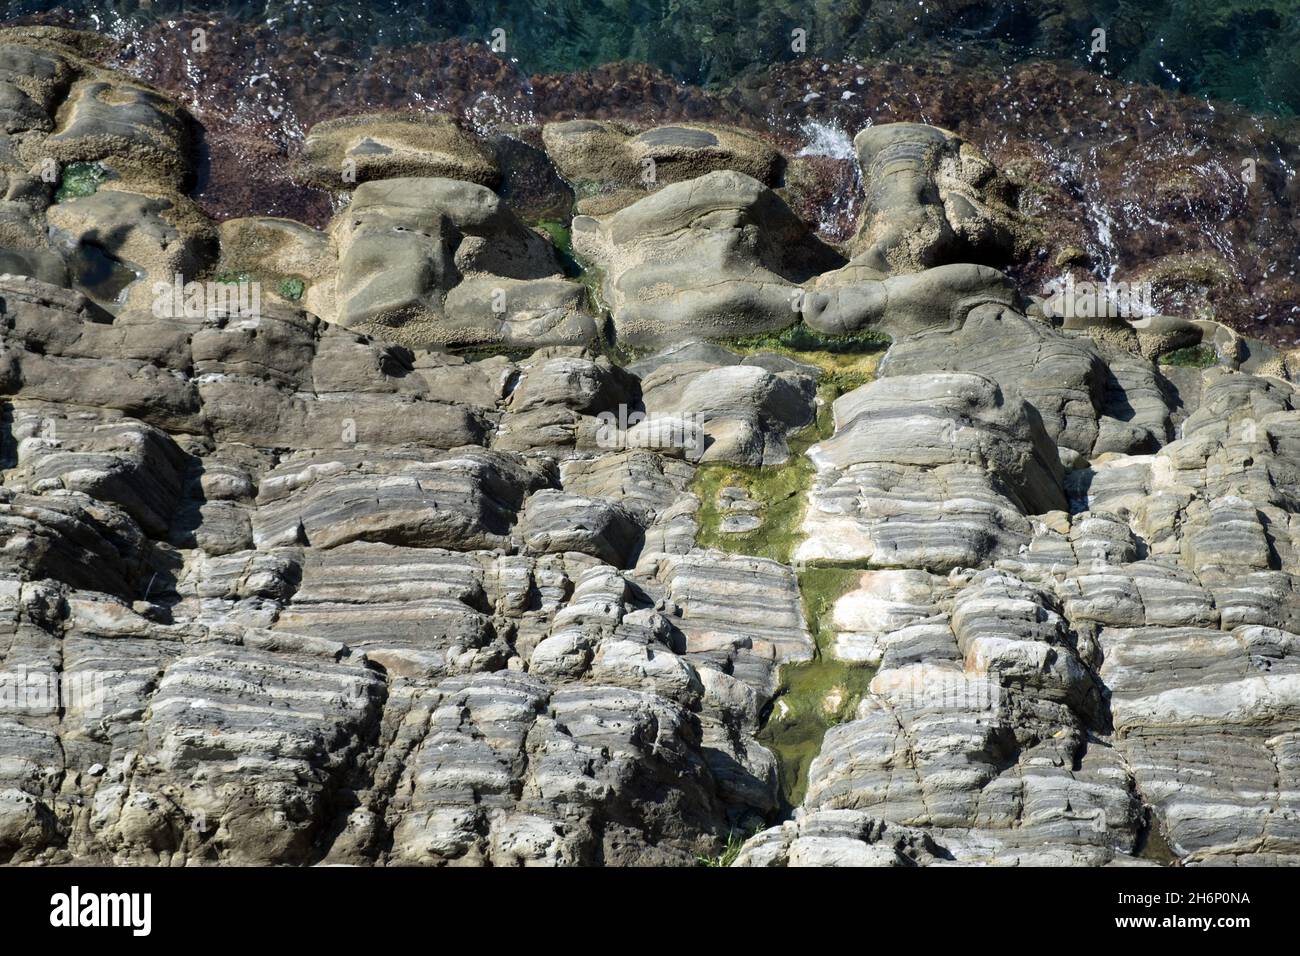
(337, 905)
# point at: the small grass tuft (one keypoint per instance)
(735, 842)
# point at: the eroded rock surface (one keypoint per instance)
(611, 166)
(1104, 681)
(355, 149)
(931, 199)
(432, 261)
(337, 560)
(289, 583)
(717, 256)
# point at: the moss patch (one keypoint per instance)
(232, 278)
(802, 338)
(476, 353)
(816, 695)
(561, 237)
(590, 276)
(292, 288)
(80, 179)
(1193, 356)
(846, 361)
(781, 491)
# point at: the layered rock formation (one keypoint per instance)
(287, 581)
(432, 261)
(611, 166)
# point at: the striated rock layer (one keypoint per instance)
(284, 581)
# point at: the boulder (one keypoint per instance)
(611, 166)
(445, 263)
(131, 129)
(339, 153)
(936, 472)
(931, 199)
(715, 257)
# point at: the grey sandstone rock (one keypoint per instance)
(935, 472)
(154, 237)
(356, 149)
(717, 256)
(280, 592)
(611, 167)
(839, 838)
(415, 612)
(744, 411)
(464, 499)
(931, 199)
(938, 299)
(429, 261)
(740, 615)
(556, 521)
(128, 126)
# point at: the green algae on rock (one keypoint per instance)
(1193, 356)
(780, 491)
(291, 288)
(80, 179)
(816, 695)
(560, 234)
(845, 361)
(418, 522)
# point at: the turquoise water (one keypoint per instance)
(1243, 51)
